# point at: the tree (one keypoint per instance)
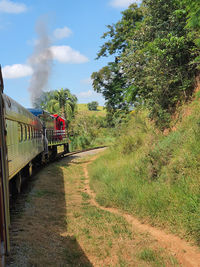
(65, 101)
(193, 22)
(59, 101)
(93, 105)
(161, 64)
(155, 59)
(122, 32)
(110, 80)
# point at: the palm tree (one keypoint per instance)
(63, 102)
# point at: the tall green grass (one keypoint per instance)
(153, 176)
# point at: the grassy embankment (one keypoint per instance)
(155, 176)
(59, 226)
(89, 129)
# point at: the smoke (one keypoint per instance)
(41, 62)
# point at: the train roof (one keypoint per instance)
(41, 113)
(14, 111)
(35, 111)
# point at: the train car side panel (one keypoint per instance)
(24, 136)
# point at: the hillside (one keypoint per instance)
(83, 110)
(152, 175)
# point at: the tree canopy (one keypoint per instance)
(93, 105)
(156, 58)
(60, 101)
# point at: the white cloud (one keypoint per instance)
(65, 54)
(8, 6)
(122, 3)
(61, 33)
(16, 71)
(90, 95)
(86, 81)
(87, 94)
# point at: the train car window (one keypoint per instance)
(30, 127)
(28, 132)
(8, 137)
(30, 135)
(20, 132)
(25, 132)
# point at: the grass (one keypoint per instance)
(83, 110)
(61, 227)
(153, 176)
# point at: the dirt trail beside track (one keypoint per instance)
(59, 223)
(186, 254)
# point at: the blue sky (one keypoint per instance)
(74, 30)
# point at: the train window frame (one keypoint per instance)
(28, 132)
(25, 132)
(30, 127)
(20, 132)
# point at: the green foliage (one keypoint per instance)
(121, 33)
(60, 101)
(149, 255)
(154, 176)
(110, 82)
(93, 105)
(89, 131)
(193, 20)
(156, 58)
(161, 64)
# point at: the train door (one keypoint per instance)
(4, 192)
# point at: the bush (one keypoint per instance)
(89, 131)
(93, 105)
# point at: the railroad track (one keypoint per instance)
(28, 182)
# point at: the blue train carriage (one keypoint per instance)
(56, 139)
(24, 139)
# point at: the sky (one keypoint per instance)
(74, 30)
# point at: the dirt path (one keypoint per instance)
(186, 254)
(59, 223)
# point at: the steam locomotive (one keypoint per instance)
(27, 137)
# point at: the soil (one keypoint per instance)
(58, 222)
(186, 254)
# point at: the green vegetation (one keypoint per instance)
(86, 128)
(152, 170)
(60, 101)
(89, 131)
(156, 50)
(93, 105)
(82, 109)
(154, 176)
(149, 255)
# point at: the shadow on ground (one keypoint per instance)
(38, 233)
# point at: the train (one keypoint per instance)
(28, 137)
